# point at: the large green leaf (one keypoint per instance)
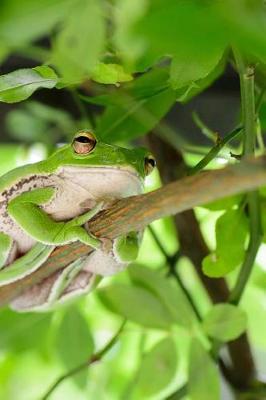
(79, 44)
(137, 304)
(19, 85)
(23, 332)
(74, 343)
(137, 108)
(180, 29)
(203, 374)
(23, 21)
(231, 234)
(186, 69)
(167, 291)
(157, 369)
(224, 322)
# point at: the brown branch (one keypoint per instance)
(134, 213)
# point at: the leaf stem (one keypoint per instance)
(94, 358)
(247, 87)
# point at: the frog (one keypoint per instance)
(49, 203)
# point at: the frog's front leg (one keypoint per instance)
(26, 210)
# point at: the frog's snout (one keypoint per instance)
(149, 164)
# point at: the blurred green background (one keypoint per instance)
(135, 70)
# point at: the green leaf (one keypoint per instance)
(74, 343)
(157, 369)
(28, 21)
(110, 74)
(263, 219)
(231, 234)
(203, 374)
(80, 42)
(178, 29)
(169, 293)
(225, 322)
(184, 95)
(19, 85)
(147, 85)
(137, 108)
(190, 67)
(136, 304)
(22, 332)
(126, 14)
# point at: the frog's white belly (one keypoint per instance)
(77, 190)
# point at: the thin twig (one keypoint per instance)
(94, 358)
(215, 150)
(171, 262)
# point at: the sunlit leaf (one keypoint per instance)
(157, 369)
(19, 85)
(74, 343)
(168, 291)
(110, 74)
(224, 322)
(137, 304)
(203, 374)
(231, 234)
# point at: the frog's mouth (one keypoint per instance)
(114, 182)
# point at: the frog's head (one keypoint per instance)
(87, 151)
(113, 166)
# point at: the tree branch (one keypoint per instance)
(134, 213)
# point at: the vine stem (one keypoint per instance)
(94, 358)
(247, 88)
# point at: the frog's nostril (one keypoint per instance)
(150, 164)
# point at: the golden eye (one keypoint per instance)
(84, 142)
(150, 164)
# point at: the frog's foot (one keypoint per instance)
(74, 230)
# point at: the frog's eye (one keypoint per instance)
(150, 164)
(84, 143)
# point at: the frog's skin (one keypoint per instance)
(46, 204)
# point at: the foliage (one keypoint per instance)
(125, 64)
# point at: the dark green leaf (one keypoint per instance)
(80, 42)
(184, 95)
(157, 369)
(224, 322)
(203, 374)
(168, 291)
(74, 343)
(19, 85)
(138, 108)
(231, 234)
(136, 304)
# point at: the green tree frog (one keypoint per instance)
(48, 203)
